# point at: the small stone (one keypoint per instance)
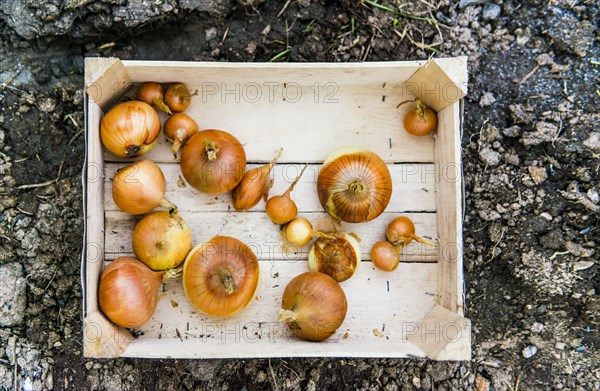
(536, 327)
(210, 34)
(559, 345)
(47, 105)
(578, 250)
(489, 156)
(513, 131)
(89, 365)
(416, 382)
(593, 142)
(487, 99)
(546, 215)
(582, 265)
(538, 174)
(13, 299)
(491, 11)
(593, 195)
(481, 383)
(545, 132)
(529, 351)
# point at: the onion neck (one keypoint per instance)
(423, 240)
(227, 280)
(286, 316)
(421, 107)
(356, 187)
(168, 205)
(291, 188)
(211, 150)
(171, 273)
(160, 104)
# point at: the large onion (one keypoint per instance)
(213, 161)
(314, 306)
(130, 129)
(354, 185)
(338, 255)
(220, 277)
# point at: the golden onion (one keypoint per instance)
(338, 255)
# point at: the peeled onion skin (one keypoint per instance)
(162, 240)
(421, 121)
(128, 292)
(220, 277)
(213, 161)
(339, 257)
(152, 93)
(385, 256)
(313, 306)
(130, 129)
(401, 231)
(255, 184)
(354, 185)
(140, 187)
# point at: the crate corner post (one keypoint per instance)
(103, 339)
(106, 80)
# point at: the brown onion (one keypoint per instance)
(128, 291)
(401, 231)
(337, 256)
(161, 240)
(140, 187)
(354, 185)
(178, 97)
(385, 256)
(300, 231)
(220, 277)
(178, 128)
(213, 161)
(254, 185)
(282, 209)
(421, 121)
(152, 93)
(313, 306)
(130, 129)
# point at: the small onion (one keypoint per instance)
(401, 231)
(313, 306)
(282, 209)
(220, 277)
(178, 97)
(354, 185)
(300, 231)
(128, 291)
(178, 128)
(130, 129)
(152, 93)
(338, 257)
(421, 121)
(140, 187)
(213, 161)
(254, 185)
(385, 256)
(161, 240)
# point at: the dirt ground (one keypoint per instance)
(531, 148)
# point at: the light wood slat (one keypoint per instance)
(264, 237)
(408, 294)
(414, 188)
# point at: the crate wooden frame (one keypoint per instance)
(427, 288)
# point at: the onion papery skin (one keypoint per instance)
(130, 129)
(152, 93)
(162, 240)
(178, 128)
(220, 276)
(421, 121)
(314, 306)
(385, 256)
(354, 185)
(139, 187)
(338, 257)
(128, 292)
(178, 97)
(219, 175)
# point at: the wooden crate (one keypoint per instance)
(310, 110)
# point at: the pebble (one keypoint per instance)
(210, 34)
(546, 215)
(491, 11)
(593, 195)
(559, 345)
(487, 99)
(13, 299)
(481, 383)
(513, 131)
(593, 142)
(578, 250)
(582, 265)
(536, 327)
(529, 351)
(489, 156)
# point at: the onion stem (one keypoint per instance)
(211, 150)
(286, 316)
(132, 150)
(172, 273)
(160, 104)
(291, 187)
(227, 280)
(423, 240)
(356, 187)
(168, 205)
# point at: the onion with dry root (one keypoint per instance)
(128, 291)
(152, 93)
(282, 209)
(401, 231)
(300, 232)
(220, 277)
(254, 185)
(338, 256)
(178, 128)
(130, 129)
(213, 161)
(313, 306)
(385, 256)
(421, 121)
(140, 187)
(354, 185)
(161, 240)
(179, 97)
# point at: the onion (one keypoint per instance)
(152, 93)
(254, 185)
(401, 231)
(213, 161)
(178, 128)
(421, 121)
(314, 306)
(337, 256)
(161, 240)
(130, 129)
(282, 209)
(220, 277)
(178, 97)
(385, 256)
(128, 291)
(354, 185)
(300, 231)
(140, 187)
